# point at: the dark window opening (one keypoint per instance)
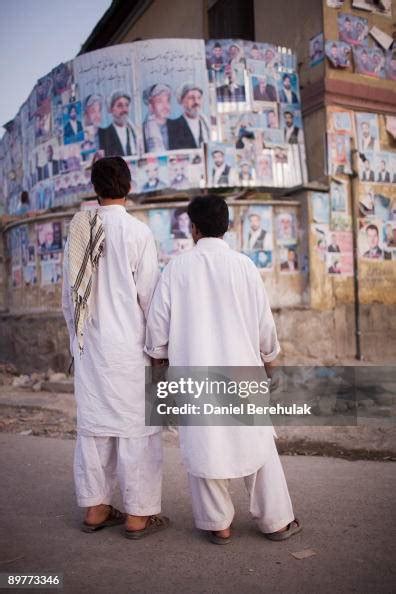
(232, 19)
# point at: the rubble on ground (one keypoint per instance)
(50, 381)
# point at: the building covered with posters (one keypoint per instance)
(289, 114)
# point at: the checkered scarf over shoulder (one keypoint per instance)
(85, 244)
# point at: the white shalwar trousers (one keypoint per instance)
(270, 503)
(136, 463)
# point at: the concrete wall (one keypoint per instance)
(169, 19)
(291, 24)
(35, 341)
(378, 332)
(314, 133)
(40, 341)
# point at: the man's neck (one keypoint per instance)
(112, 201)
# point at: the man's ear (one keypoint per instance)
(195, 232)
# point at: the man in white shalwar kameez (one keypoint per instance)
(112, 439)
(210, 308)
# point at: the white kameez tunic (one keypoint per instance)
(110, 374)
(210, 308)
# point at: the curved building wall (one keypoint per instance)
(184, 113)
(33, 333)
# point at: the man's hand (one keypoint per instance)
(270, 368)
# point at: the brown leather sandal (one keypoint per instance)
(218, 540)
(294, 527)
(154, 524)
(114, 518)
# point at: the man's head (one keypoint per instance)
(268, 56)
(364, 57)
(58, 109)
(382, 165)
(234, 51)
(367, 165)
(151, 170)
(286, 81)
(158, 99)
(93, 110)
(49, 237)
(291, 255)
(119, 107)
(377, 60)
(111, 178)
(289, 118)
(245, 168)
(190, 98)
(182, 220)
(178, 167)
(255, 221)
(372, 235)
(333, 50)
(50, 152)
(73, 112)
(255, 53)
(271, 119)
(218, 158)
(262, 83)
(209, 216)
(217, 50)
(365, 127)
(347, 24)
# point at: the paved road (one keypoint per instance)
(347, 509)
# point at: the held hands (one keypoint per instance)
(159, 362)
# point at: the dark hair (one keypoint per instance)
(373, 227)
(111, 177)
(24, 197)
(209, 214)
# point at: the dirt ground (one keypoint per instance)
(49, 414)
